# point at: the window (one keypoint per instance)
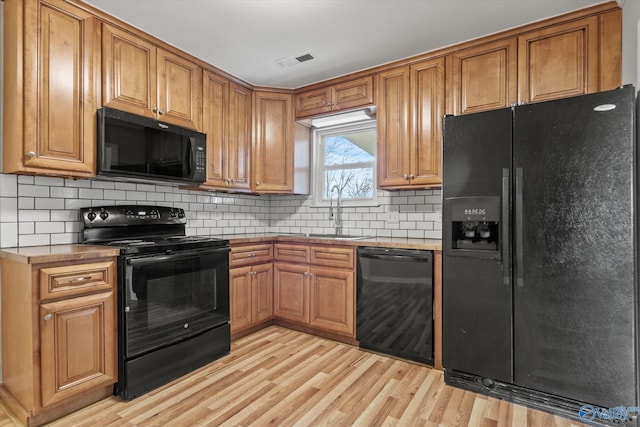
(345, 163)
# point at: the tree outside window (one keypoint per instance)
(345, 162)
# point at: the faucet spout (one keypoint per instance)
(338, 213)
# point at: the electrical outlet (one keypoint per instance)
(394, 217)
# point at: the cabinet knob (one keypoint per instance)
(31, 154)
(405, 176)
(253, 273)
(161, 111)
(155, 110)
(48, 316)
(411, 176)
(257, 183)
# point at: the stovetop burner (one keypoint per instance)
(141, 229)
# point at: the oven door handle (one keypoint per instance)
(176, 256)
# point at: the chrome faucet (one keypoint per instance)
(338, 215)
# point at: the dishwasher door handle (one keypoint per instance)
(406, 258)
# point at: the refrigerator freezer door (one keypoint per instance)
(574, 328)
(477, 310)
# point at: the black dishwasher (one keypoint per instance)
(394, 310)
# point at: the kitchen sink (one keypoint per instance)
(334, 236)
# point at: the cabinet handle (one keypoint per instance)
(80, 279)
(233, 180)
(48, 316)
(31, 154)
(251, 255)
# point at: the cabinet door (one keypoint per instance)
(179, 90)
(393, 127)
(128, 72)
(483, 77)
(313, 102)
(240, 298)
(427, 102)
(77, 339)
(291, 292)
(262, 293)
(332, 299)
(61, 73)
(558, 61)
(215, 101)
(273, 142)
(352, 94)
(239, 143)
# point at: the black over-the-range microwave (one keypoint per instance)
(133, 146)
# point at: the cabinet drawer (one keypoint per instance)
(292, 253)
(78, 279)
(250, 254)
(329, 256)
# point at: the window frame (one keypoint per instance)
(317, 181)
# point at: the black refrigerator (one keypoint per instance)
(540, 290)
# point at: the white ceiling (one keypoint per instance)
(246, 37)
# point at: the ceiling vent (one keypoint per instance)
(290, 61)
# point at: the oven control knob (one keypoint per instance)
(91, 215)
(104, 215)
(180, 213)
(186, 326)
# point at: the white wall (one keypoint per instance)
(630, 45)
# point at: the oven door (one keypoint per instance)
(170, 297)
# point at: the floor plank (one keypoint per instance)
(280, 377)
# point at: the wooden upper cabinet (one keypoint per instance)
(144, 79)
(428, 104)
(226, 115)
(393, 127)
(411, 102)
(273, 142)
(483, 77)
(558, 61)
(341, 96)
(51, 76)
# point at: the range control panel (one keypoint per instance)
(112, 216)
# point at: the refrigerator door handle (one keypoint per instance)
(506, 252)
(519, 265)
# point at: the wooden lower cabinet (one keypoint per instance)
(58, 336)
(250, 287)
(251, 296)
(312, 295)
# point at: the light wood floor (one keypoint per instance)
(281, 377)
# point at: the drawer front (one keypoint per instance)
(291, 253)
(329, 256)
(77, 279)
(250, 254)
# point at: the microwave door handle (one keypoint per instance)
(190, 153)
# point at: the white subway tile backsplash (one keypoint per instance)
(8, 209)
(26, 203)
(49, 227)
(45, 210)
(49, 203)
(26, 228)
(8, 234)
(34, 215)
(34, 240)
(8, 185)
(33, 190)
(64, 239)
(64, 192)
(136, 195)
(91, 193)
